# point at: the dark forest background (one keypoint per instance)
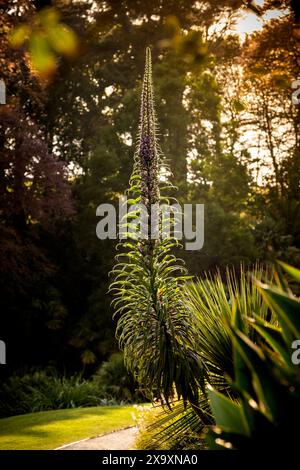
(227, 125)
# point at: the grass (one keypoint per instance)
(50, 429)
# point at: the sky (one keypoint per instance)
(247, 24)
(250, 22)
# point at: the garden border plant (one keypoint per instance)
(267, 383)
(154, 326)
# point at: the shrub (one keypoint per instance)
(114, 382)
(46, 390)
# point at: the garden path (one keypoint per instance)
(117, 440)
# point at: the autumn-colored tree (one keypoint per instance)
(35, 196)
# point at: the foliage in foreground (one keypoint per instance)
(156, 431)
(211, 299)
(255, 400)
(267, 383)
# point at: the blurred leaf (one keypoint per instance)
(241, 371)
(19, 35)
(62, 39)
(287, 308)
(190, 46)
(262, 379)
(228, 415)
(49, 17)
(172, 25)
(293, 272)
(273, 336)
(42, 58)
(46, 38)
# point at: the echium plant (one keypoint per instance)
(154, 328)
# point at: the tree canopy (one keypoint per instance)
(228, 128)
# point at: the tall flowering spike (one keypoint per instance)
(148, 151)
(154, 327)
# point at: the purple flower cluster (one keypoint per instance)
(147, 153)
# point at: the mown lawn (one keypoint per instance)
(51, 429)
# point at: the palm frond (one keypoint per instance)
(211, 299)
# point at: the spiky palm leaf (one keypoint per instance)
(211, 299)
